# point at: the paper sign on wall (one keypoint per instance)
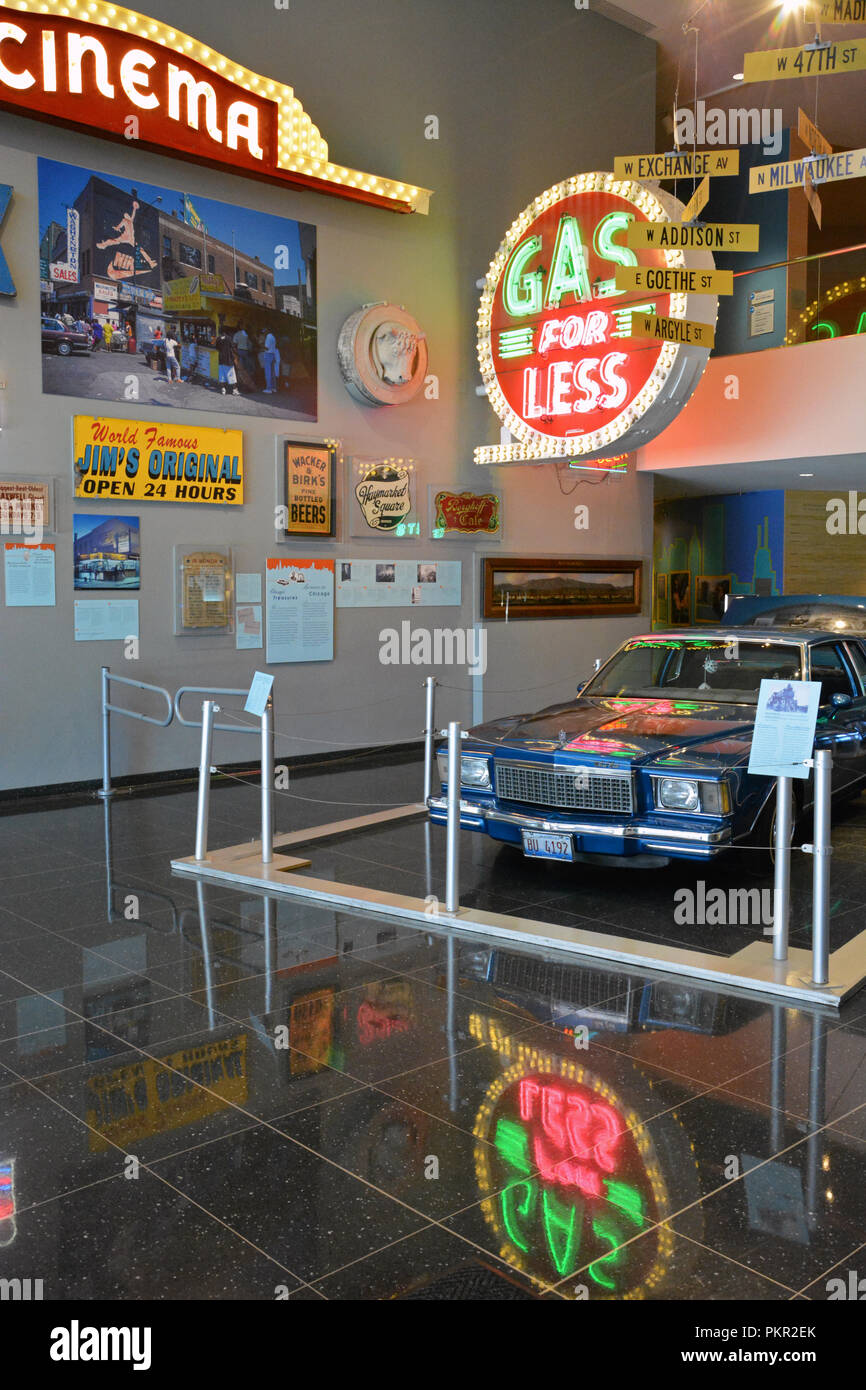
(29, 575)
(300, 610)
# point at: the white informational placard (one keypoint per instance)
(299, 597)
(248, 588)
(259, 692)
(248, 626)
(762, 312)
(106, 620)
(29, 573)
(399, 583)
(784, 733)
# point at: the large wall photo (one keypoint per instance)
(148, 294)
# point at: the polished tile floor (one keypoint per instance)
(207, 1094)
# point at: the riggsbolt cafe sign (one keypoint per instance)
(561, 366)
(100, 67)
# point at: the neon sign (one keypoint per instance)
(568, 1173)
(562, 368)
(102, 67)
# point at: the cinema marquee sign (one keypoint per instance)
(100, 67)
(562, 364)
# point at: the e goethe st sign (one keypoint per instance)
(107, 69)
(560, 366)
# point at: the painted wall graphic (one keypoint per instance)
(174, 300)
(726, 545)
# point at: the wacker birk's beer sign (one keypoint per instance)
(562, 365)
(102, 67)
(141, 461)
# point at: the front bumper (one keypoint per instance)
(627, 836)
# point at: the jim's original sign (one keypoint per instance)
(141, 461)
(105, 68)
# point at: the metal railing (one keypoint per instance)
(108, 709)
(210, 690)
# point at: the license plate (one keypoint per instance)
(539, 846)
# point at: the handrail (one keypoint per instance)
(107, 709)
(210, 690)
(140, 685)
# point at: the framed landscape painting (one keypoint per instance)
(545, 588)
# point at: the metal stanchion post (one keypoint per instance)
(268, 782)
(452, 869)
(429, 732)
(106, 789)
(782, 885)
(208, 709)
(822, 851)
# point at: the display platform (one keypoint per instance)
(336, 849)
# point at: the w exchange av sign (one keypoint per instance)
(559, 357)
(105, 68)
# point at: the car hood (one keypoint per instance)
(627, 728)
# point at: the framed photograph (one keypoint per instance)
(519, 588)
(306, 489)
(661, 597)
(681, 598)
(710, 591)
(106, 551)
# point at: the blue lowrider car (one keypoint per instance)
(650, 760)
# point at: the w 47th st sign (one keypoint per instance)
(7, 284)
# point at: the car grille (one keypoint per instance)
(578, 789)
(566, 983)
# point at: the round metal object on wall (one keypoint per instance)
(382, 354)
(557, 356)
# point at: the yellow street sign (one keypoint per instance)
(836, 11)
(715, 236)
(697, 202)
(849, 164)
(813, 199)
(673, 330)
(774, 64)
(674, 280)
(687, 165)
(811, 135)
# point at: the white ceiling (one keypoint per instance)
(839, 471)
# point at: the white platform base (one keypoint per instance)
(752, 969)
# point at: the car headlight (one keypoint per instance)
(677, 794)
(474, 772)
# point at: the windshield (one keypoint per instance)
(726, 670)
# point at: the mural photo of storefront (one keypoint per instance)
(213, 306)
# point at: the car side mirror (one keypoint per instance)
(580, 685)
(840, 702)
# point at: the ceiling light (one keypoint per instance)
(738, 76)
(807, 475)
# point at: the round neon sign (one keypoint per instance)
(555, 345)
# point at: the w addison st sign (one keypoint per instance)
(100, 67)
(561, 362)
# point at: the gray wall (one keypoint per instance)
(526, 94)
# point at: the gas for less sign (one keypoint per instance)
(141, 461)
(564, 370)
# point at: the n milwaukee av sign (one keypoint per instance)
(101, 67)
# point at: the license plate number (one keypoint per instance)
(539, 846)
